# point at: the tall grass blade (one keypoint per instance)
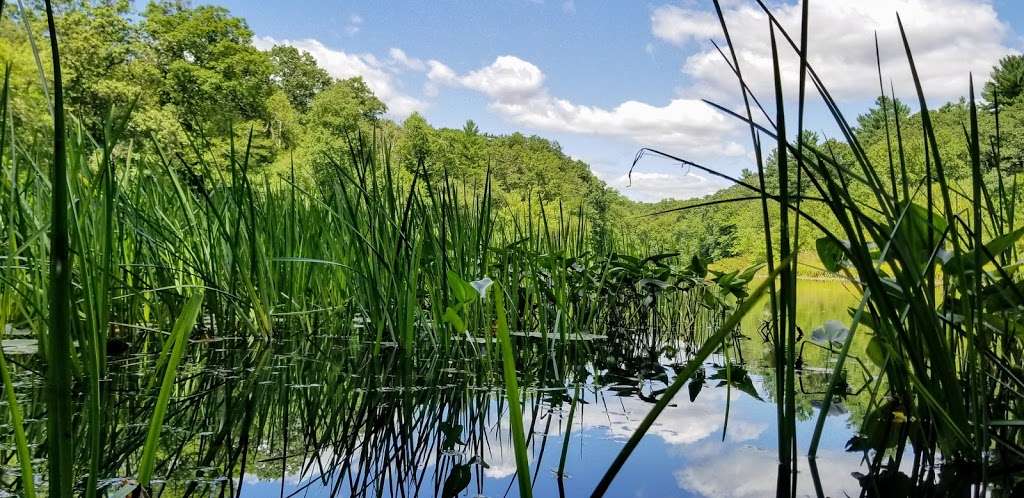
(178, 340)
(512, 393)
(28, 485)
(60, 439)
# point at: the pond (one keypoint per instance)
(325, 415)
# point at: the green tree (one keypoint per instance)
(103, 59)
(297, 75)
(873, 122)
(283, 123)
(345, 105)
(1006, 81)
(210, 71)
(415, 145)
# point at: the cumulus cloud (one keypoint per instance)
(678, 25)
(949, 38)
(341, 64)
(508, 78)
(517, 91)
(681, 424)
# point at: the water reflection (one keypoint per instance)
(328, 415)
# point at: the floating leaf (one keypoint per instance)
(737, 377)
(452, 435)
(122, 489)
(653, 282)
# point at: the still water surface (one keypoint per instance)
(319, 415)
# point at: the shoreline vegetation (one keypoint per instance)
(167, 186)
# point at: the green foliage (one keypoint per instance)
(343, 106)
(415, 147)
(297, 75)
(199, 87)
(1006, 82)
(210, 72)
(874, 123)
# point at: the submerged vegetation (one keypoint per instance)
(221, 274)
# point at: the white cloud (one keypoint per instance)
(517, 91)
(681, 424)
(342, 65)
(949, 39)
(508, 78)
(678, 25)
(401, 59)
(440, 72)
(569, 7)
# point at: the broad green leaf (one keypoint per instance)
(831, 253)
(698, 267)
(657, 258)
(748, 273)
(993, 248)
(454, 318)
(461, 290)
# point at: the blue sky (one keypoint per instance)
(605, 78)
